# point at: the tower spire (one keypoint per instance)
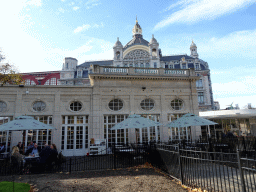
(136, 19)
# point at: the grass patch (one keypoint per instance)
(6, 186)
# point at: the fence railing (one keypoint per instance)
(212, 171)
(115, 157)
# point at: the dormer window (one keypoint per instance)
(184, 66)
(79, 74)
(154, 53)
(67, 65)
(118, 55)
(197, 66)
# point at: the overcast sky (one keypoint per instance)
(36, 35)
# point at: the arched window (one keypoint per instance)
(118, 55)
(39, 106)
(76, 106)
(154, 54)
(147, 104)
(115, 104)
(3, 106)
(177, 104)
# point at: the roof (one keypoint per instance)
(137, 40)
(175, 57)
(101, 63)
(222, 114)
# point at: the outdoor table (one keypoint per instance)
(4, 155)
(126, 150)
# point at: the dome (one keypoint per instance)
(153, 40)
(193, 44)
(137, 29)
(118, 43)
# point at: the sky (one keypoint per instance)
(36, 35)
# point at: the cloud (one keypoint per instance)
(239, 44)
(243, 86)
(91, 3)
(195, 11)
(37, 3)
(76, 8)
(93, 49)
(61, 10)
(86, 27)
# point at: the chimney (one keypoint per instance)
(249, 105)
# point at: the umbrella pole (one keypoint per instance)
(209, 131)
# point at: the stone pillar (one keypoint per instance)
(57, 122)
(164, 134)
(96, 115)
(17, 135)
(131, 132)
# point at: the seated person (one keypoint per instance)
(29, 148)
(20, 146)
(33, 151)
(2, 148)
(48, 155)
(16, 154)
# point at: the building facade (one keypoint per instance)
(92, 97)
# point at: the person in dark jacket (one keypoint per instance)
(47, 156)
(20, 146)
(33, 151)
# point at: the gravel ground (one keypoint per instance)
(131, 179)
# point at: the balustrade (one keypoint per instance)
(146, 71)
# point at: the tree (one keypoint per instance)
(8, 73)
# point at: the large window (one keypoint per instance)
(200, 97)
(145, 135)
(41, 137)
(177, 104)
(115, 104)
(74, 133)
(115, 136)
(199, 84)
(178, 133)
(147, 104)
(3, 106)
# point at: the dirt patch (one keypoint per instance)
(131, 179)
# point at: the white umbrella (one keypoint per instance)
(135, 121)
(190, 119)
(24, 123)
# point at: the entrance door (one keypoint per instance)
(75, 136)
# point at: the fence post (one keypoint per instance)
(180, 163)
(114, 156)
(241, 171)
(70, 162)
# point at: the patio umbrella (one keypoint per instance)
(135, 121)
(22, 123)
(190, 119)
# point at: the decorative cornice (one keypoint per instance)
(140, 77)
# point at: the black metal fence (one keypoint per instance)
(212, 171)
(117, 157)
